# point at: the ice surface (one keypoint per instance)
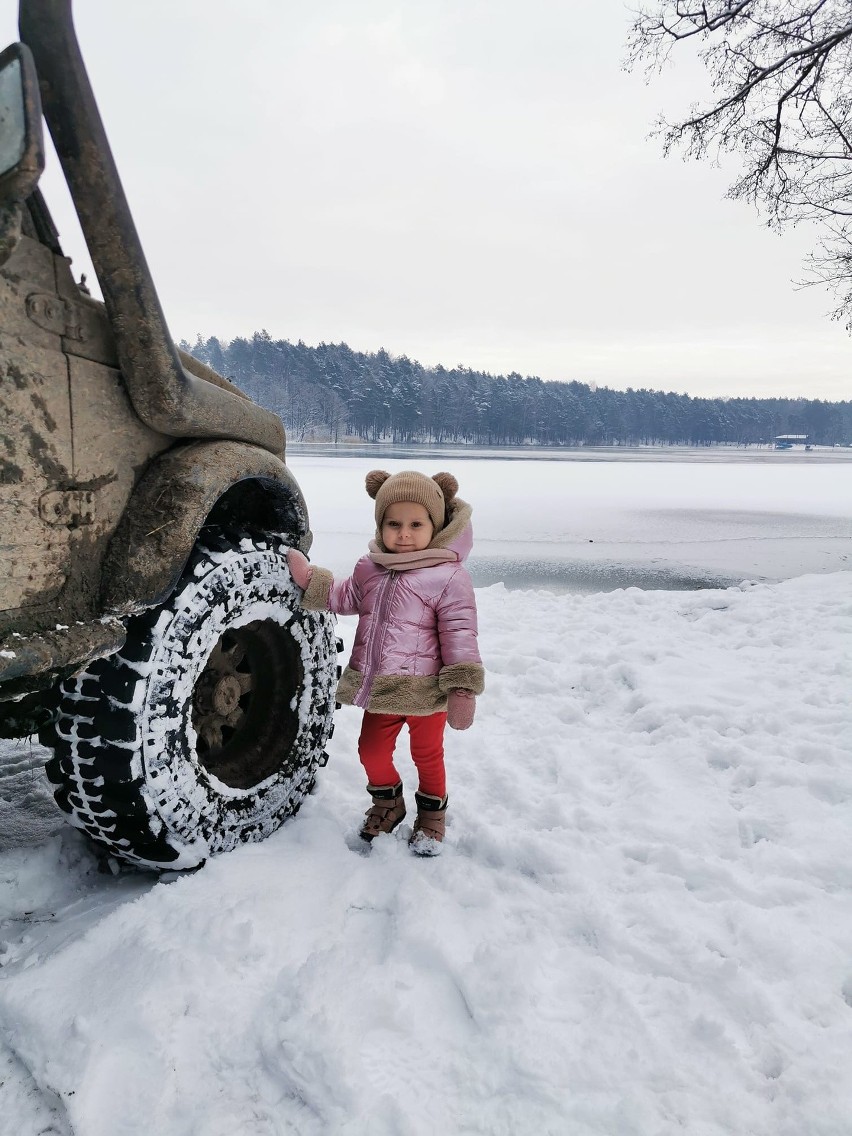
(588, 526)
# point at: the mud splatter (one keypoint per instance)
(40, 405)
(10, 474)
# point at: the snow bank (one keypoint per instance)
(640, 924)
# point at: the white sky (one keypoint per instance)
(462, 182)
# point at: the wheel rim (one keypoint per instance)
(243, 704)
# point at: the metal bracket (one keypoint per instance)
(54, 313)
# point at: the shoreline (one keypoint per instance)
(752, 453)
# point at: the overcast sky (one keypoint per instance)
(463, 182)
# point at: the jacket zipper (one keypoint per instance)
(376, 639)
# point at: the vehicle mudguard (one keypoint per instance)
(222, 482)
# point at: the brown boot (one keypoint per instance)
(430, 825)
(386, 812)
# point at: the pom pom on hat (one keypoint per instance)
(374, 480)
(433, 493)
(448, 485)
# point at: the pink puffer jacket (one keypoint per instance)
(417, 635)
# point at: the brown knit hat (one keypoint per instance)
(433, 493)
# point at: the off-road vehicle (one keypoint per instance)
(148, 622)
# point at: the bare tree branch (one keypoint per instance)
(781, 80)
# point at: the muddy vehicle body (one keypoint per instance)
(149, 627)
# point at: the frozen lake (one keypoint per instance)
(592, 520)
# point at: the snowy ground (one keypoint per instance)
(640, 924)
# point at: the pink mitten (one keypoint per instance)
(300, 569)
(461, 706)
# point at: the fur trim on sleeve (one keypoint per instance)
(318, 589)
(462, 676)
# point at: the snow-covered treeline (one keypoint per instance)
(332, 391)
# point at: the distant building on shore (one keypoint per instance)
(787, 441)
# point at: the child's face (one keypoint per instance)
(406, 527)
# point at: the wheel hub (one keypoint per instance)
(223, 693)
(226, 695)
(240, 700)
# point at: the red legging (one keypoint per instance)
(426, 734)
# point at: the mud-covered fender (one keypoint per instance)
(188, 486)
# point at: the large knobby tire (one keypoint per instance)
(206, 729)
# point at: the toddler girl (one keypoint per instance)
(415, 660)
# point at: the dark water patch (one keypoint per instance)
(585, 577)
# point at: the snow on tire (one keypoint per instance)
(206, 729)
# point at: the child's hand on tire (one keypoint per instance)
(300, 569)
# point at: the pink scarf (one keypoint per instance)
(405, 561)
